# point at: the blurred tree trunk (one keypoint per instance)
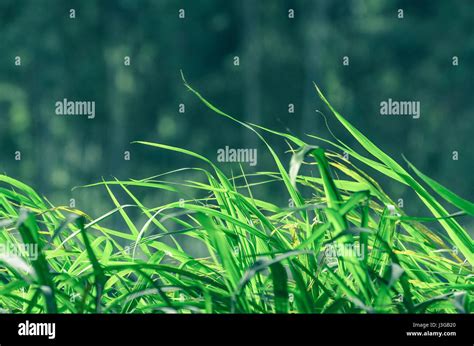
(314, 30)
(251, 67)
(116, 126)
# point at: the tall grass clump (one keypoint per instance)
(344, 246)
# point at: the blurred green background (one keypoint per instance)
(280, 57)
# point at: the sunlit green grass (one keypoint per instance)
(261, 257)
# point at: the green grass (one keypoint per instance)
(261, 257)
